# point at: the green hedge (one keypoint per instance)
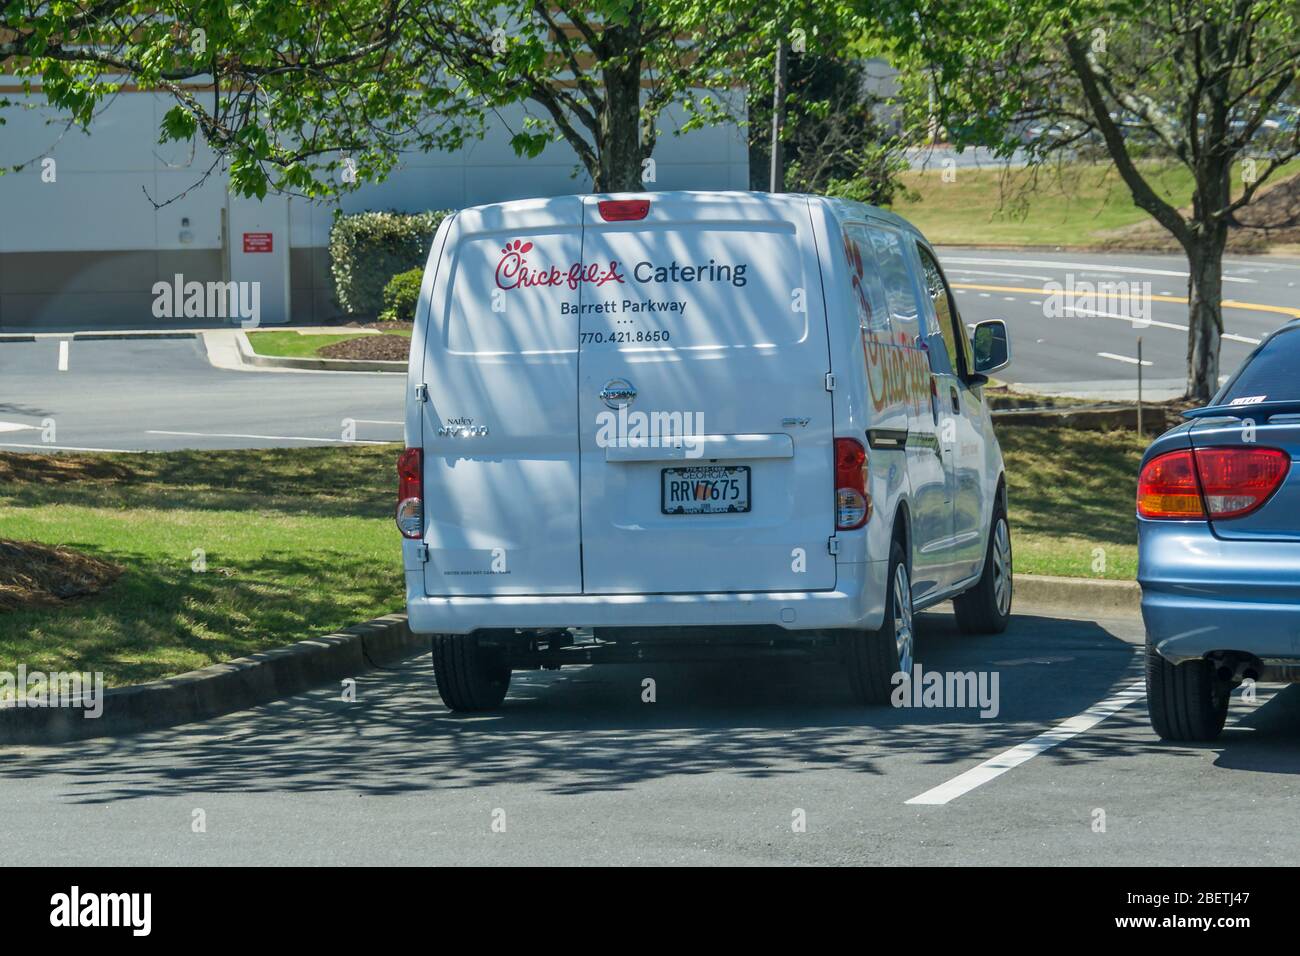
(401, 295)
(368, 248)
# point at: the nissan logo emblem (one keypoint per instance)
(618, 393)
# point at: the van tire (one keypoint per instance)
(470, 676)
(986, 607)
(1186, 701)
(872, 658)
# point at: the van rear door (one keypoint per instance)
(500, 424)
(704, 416)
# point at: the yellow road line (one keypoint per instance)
(1181, 300)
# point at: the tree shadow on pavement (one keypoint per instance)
(586, 730)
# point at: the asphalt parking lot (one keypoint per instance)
(163, 394)
(576, 768)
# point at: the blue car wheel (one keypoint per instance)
(1186, 701)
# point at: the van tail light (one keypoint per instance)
(852, 503)
(1206, 483)
(410, 493)
(623, 210)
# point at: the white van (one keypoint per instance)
(649, 420)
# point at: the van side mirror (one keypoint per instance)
(991, 346)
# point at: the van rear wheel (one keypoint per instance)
(874, 657)
(470, 675)
(986, 608)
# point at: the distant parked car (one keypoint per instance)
(1218, 506)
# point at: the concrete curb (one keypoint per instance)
(221, 688)
(249, 357)
(1097, 597)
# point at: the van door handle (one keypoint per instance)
(956, 403)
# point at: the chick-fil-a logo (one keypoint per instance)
(513, 271)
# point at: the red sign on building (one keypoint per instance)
(257, 242)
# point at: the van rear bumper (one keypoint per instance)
(857, 602)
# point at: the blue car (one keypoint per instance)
(1218, 507)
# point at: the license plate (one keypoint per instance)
(704, 490)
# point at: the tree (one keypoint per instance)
(281, 91)
(284, 90)
(834, 140)
(1209, 84)
(603, 71)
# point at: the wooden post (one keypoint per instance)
(1139, 385)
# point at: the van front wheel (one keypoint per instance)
(874, 657)
(470, 675)
(986, 608)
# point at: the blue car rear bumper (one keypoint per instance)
(1201, 593)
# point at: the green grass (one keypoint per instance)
(295, 345)
(1071, 495)
(1069, 205)
(297, 543)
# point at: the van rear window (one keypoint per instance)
(508, 293)
(685, 286)
(1270, 374)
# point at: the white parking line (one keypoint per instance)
(1137, 323)
(63, 355)
(1080, 267)
(1123, 358)
(1010, 759)
(1152, 323)
(340, 441)
(1000, 275)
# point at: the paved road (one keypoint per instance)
(159, 394)
(128, 395)
(1084, 353)
(712, 773)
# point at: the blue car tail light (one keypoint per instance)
(1213, 483)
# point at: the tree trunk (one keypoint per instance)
(1204, 316)
(618, 142)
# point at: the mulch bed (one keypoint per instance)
(390, 348)
(1272, 219)
(35, 575)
